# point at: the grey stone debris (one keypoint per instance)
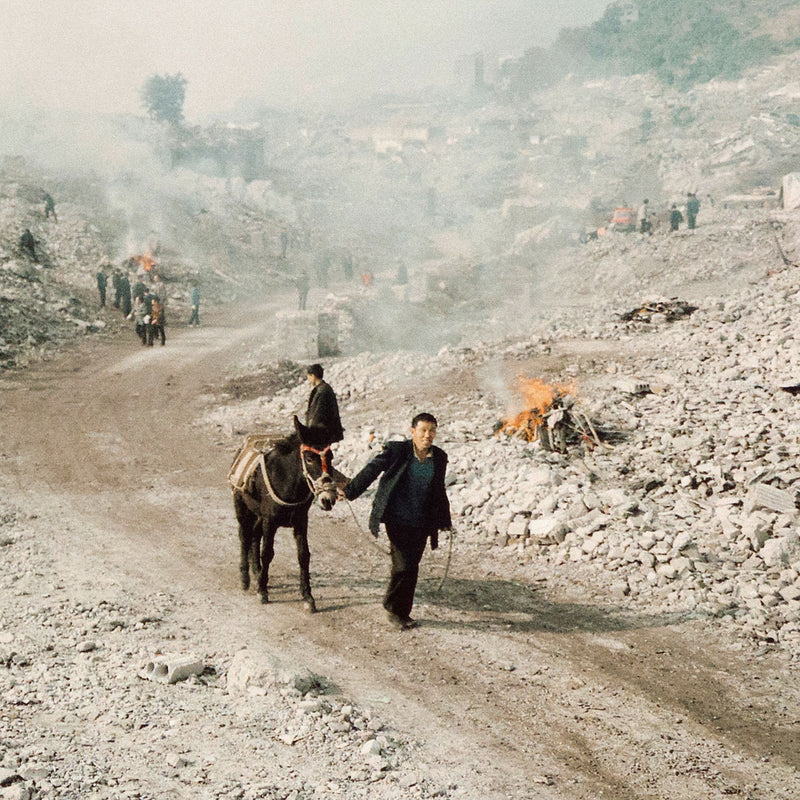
(171, 668)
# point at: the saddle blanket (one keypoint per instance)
(246, 459)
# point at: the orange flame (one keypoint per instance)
(145, 261)
(538, 398)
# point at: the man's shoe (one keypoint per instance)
(410, 624)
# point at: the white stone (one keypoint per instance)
(547, 528)
(518, 527)
(371, 748)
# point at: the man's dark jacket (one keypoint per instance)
(393, 461)
(323, 412)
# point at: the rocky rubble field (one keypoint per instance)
(74, 666)
(689, 503)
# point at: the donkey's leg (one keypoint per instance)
(268, 528)
(255, 548)
(246, 521)
(304, 560)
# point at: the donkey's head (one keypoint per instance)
(315, 454)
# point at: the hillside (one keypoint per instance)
(681, 42)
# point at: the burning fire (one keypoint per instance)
(538, 398)
(144, 262)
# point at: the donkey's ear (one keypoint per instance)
(301, 430)
(314, 436)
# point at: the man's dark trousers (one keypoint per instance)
(407, 544)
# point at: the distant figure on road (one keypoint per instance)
(125, 293)
(322, 412)
(102, 282)
(692, 209)
(303, 285)
(155, 329)
(675, 218)
(195, 318)
(116, 285)
(139, 315)
(284, 242)
(27, 244)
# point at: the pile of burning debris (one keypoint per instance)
(668, 310)
(551, 415)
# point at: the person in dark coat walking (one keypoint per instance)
(102, 282)
(675, 218)
(692, 209)
(322, 412)
(412, 503)
(125, 294)
(116, 285)
(139, 289)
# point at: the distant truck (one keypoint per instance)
(624, 219)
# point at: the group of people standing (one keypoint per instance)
(644, 217)
(144, 303)
(411, 500)
(692, 210)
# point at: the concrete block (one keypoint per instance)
(171, 668)
(327, 334)
(296, 334)
(775, 499)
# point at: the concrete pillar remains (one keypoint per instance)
(304, 335)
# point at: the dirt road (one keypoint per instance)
(510, 690)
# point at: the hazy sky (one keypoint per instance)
(96, 54)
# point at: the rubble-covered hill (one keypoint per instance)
(441, 184)
(219, 233)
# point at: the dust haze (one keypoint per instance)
(327, 87)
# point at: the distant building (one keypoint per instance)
(477, 71)
(224, 150)
(469, 72)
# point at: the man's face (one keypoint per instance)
(423, 434)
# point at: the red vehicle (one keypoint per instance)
(624, 219)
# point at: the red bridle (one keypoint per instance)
(307, 448)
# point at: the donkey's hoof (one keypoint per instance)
(310, 605)
(264, 597)
(245, 582)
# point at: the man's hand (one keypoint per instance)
(340, 490)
